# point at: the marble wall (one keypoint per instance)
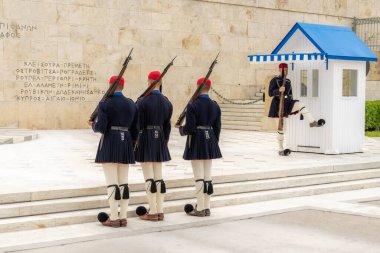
(56, 55)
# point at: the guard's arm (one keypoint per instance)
(167, 125)
(217, 124)
(273, 88)
(101, 124)
(190, 127)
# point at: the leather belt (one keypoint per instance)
(119, 128)
(204, 127)
(154, 127)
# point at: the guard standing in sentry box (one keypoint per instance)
(203, 126)
(151, 150)
(283, 105)
(116, 121)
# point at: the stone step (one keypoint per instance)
(245, 100)
(274, 173)
(258, 105)
(239, 127)
(76, 217)
(241, 109)
(242, 114)
(242, 118)
(10, 135)
(100, 201)
(259, 94)
(240, 123)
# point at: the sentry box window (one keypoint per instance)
(305, 81)
(350, 83)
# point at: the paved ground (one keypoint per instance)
(13, 135)
(375, 202)
(298, 231)
(64, 159)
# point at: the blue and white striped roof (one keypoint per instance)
(294, 57)
(330, 42)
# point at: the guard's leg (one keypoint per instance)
(113, 191)
(124, 190)
(210, 189)
(298, 106)
(151, 191)
(281, 137)
(161, 189)
(198, 171)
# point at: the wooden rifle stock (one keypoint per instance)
(197, 92)
(112, 88)
(151, 86)
(281, 107)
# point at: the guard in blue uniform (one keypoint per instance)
(291, 106)
(155, 112)
(203, 125)
(116, 121)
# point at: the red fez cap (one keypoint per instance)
(113, 79)
(283, 65)
(200, 80)
(154, 75)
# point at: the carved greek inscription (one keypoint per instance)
(13, 30)
(56, 81)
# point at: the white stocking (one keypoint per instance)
(281, 134)
(298, 106)
(110, 172)
(207, 167)
(123, 181)
(198, 171)
(157, 170)
(147, 169)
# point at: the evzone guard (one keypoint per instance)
(283, 105)
(116, 121)
(154, 114)
(203, 126)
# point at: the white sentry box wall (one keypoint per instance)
(344, 129)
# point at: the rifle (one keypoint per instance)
(112, 88)
(281, 107)
(151, 86)
(197, 91)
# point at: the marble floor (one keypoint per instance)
(61, 159)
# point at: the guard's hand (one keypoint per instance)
(90, 123)
(282, 89)
(176, 126)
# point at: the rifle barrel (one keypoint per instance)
(111, 90)
(150, 87)
(197, 91)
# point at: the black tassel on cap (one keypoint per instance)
(116, 191)
(125, 191)
(153, 187)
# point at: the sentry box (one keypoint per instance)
(327, 67)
